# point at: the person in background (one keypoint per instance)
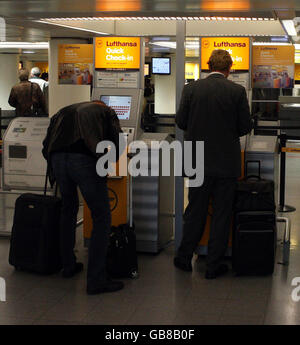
(27, 97)
(216, 111)
(70, 150)
(35, 78)
(45, 76)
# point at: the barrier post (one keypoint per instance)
(282, 207)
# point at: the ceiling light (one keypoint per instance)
(154, 18)
(289, 27)
(24, 45)
(72, 27)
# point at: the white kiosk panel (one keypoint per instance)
(24, 166)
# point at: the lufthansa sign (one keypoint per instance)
(238, 48)
(117, 53)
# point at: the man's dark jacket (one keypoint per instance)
(79, 128)
(215, 110)
(25, 95)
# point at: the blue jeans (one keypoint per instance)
(72, 170)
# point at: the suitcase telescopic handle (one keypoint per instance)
(46, 183)
(259, 169)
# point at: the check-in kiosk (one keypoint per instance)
(127, 103)
(24, 167)
(289, 115)
(151, 197)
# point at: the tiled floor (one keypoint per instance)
(162, 295)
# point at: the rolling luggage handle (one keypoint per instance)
(130, 156)
(46, 183)
(259, 169)
(286, 240)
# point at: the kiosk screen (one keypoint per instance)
(17, 151)
(120, 104)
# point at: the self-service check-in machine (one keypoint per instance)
(24, 167)
(151, 197)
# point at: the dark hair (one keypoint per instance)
(220, 60)
(23, 74)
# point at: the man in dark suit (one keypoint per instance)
(216, 111)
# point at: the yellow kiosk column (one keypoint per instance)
(118, 199)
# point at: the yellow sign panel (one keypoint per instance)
(75, 53)
(271, 55)
(238, 48)
(117, 53)
(192, 70)
(297, 72)
(297, 56)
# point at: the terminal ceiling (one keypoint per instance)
(21, 15)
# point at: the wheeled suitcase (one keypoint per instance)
(254, 243)
(35, 240)
(254, 231)
(122, 257)
(255, 194)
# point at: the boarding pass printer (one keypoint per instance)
(24, 167)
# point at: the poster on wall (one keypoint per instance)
(75, 64)
(238, 48)
(273, 66)
(117, 53)
(297, 73)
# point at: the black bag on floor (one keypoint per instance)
(35, 240)
(254, 193)
(254, 243)
(121, 257)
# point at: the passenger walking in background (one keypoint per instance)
(70, 149)
(39, 79)
(27, 97)
(35, 78)
(216, 111)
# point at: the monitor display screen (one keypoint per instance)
(161, 65)
(120, 104)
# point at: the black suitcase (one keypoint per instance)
(254, 193)
(34, 244)
(254, 243)
(121, 257)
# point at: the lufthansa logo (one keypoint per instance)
(113, 199)
(206, 44)
(99, 44)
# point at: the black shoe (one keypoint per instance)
(71, 273)
(222, 269)
(109, 286)
(183, 264)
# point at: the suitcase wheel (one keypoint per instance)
(134, 274)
